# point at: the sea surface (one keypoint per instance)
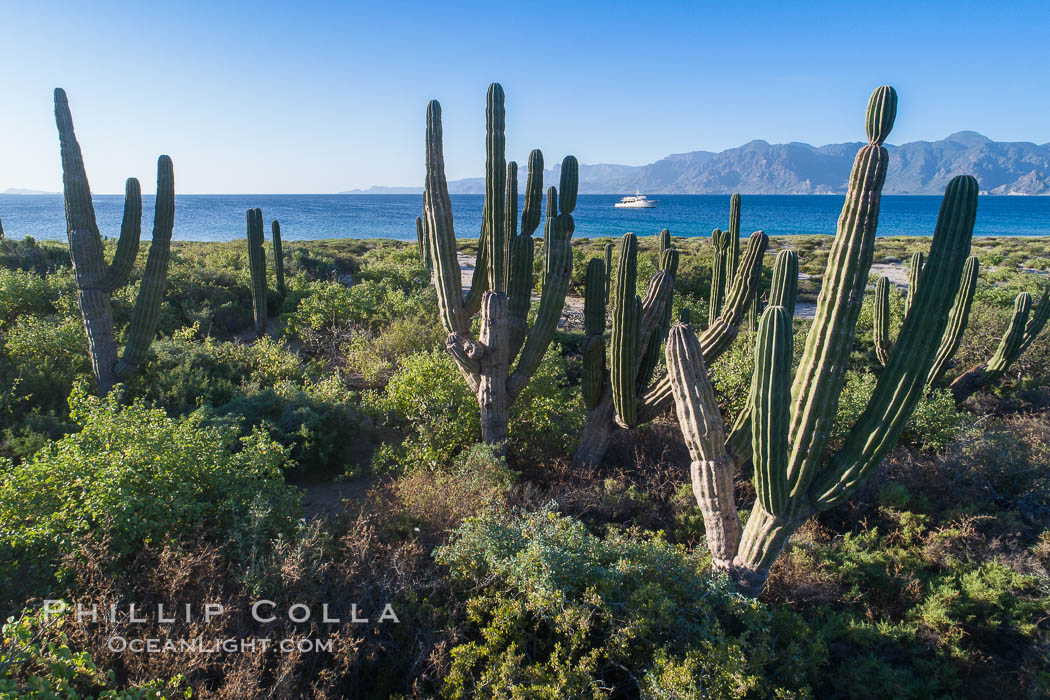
(305, 217)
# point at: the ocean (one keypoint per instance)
(306, 217)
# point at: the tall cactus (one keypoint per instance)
(627, 400)
(95, 281)
(257, 268)
(278, 257)
(732, 244)
(1025, 325)
(608, 271)
(1, 230)
(880, 320)
(503, 358)
(791, 419)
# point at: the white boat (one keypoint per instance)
(638, 201)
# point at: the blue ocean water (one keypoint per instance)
(304, 217)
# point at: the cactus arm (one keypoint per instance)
(914, 279)
(902, 383)
(626, 317)
(420, 236)
(717, 274)
(496, 186)
(80, 212)
(608, 270)
(257, 268)
(1, 230)
(711, 469)
(119, 270)
(1025, 325)
(568, 185)
(439, 226)
(552, 300)
(1036, 322)
(533, 210)
(519, 289)
(880, 321)
(784, 289)
(146, 315)
(664, 241)
(278, 254)
(821, 374)
(957, 321)
(771, 409)
(732, 242)
(593, 376)
(510, 220)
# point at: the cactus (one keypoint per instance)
(500, 361)
(1, 230)
(957, 321)
(880, 322)
(608, 271)
(914, 274)
(1025, 325)
(782, 293)
(626, 399)
(718, 269)
(664, 241)
(732, 244)
(793, 479)
(278, 257)
(95, 281)
(257, 268)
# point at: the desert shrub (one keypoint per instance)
(934, 424)
(317, 421)
(376, 356)
(370, 304)
(36, 661)
(24, 293)
(29, 256)
(130, 477)
(428, 396)
(562, 613)
(45, 355)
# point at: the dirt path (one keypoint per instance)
(327, 498)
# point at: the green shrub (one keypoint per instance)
(132, 477)
(935, 423)
(428, 396)
(562, 613)
(371, 304)
(36, 661)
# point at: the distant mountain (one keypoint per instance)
(758, 167)
(19, 190)
(380, 189)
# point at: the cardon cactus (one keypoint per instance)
(881, 321)
(627, 399)
(732, 244)
(500, 361)
(718, 270)
(95, 281)
(257, 268)
(791, 419)
(278, 257)
(1, 230)
(1025, 325)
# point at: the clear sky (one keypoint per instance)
(304, 97)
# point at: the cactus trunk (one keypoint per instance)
(278, 257)
(881, 321)
(257, 268)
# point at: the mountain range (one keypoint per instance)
(758, 167)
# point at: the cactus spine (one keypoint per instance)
(257, 268)
(627, 400)
(881, 320)
(95, 280)
(792, 478)
(502, 284)
(278, 257)
(1025, 325)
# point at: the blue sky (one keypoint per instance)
(321, 97)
